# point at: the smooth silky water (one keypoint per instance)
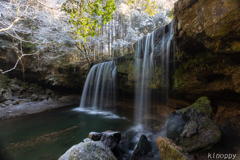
(48, 135)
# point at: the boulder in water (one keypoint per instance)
(95, 136)
(143, 149)
(128, 141)
(91, 150)
(111, 138)
(192, 128)
(170, 151)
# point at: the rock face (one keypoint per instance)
(213, 24)
(192, 127)
(208, 39)
(170, 151)
(228, 119)
(143, 149)
(91, 150)
(110, 139)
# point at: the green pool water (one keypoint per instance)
(48, 135)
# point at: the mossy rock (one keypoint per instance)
(192, 128)
(208, 135)
(202, 107)
(91, 150)
(170, 151)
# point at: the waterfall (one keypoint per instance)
(167, 55)
(144, 68)
(146, 59)
(99, 89)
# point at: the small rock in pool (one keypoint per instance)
(95, 136)
(111, 138)
(143, 149)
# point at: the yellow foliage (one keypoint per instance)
(149, 6)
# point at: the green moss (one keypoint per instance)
(235, 46)
(202, 105)
(207, 148)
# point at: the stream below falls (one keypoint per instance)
(48, 135)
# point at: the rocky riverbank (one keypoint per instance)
(19, 98)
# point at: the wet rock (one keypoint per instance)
(93, 150)
(95, 136)
(170, 151)
(121, 153)
(175, 124)
(111, 138)
(143, 149)
(128, 141)
(192, 127)
(34, 97)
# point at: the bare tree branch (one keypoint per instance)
(3, 72)
(16, 20)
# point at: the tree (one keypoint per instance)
(86, 16)
(148, 6)
(31, 23)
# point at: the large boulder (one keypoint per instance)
(143, 149)
(178, 119)
(192, 127)
(170, 151)
(111, 138)
(91, 150)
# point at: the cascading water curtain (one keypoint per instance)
(99, 91)
(144, 70)
(167, 57)
(143, 74)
